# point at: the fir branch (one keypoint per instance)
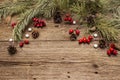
(26, 19)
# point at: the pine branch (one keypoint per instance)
(107, 31)
(40, 9)
(10, 9)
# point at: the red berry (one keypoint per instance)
(112, 45)
(65, 19)
(90, 37)
(69, 19)
(77, 32)
(39, 21)
(41, 25)
(21, 44)
(84, 40)
(38, 25)
(111, 50)
(34, 19)
(26, 41)
(13, 24)
(80, 41)
(71, 31)
(67, 15)
(108, 52)
(88, 41)
(115, 52)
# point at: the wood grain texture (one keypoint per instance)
(53, 59)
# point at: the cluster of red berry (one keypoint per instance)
(68, 19)
(13, 24)
(39, 23)
(112, 50)
(21, 44)
(86, 40)
(77, 32)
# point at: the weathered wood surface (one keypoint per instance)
(57, 60)
(53, 60)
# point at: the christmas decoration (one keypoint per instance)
(95, 35)
(108, 52)
(84, 40)
(68, 19)
(102, 44)
(29, 29)
(26, 41)
(57, 17)
(73, 37)
(27, 35)
(74, 22)
(10, 40)
(13, 24)
(71, 31)
(90, 20)
(77, 32)
(112, 45)
(80, 41)
(35, 34)
(21, 44)
(39, 23)
(74, 34)
(12, 50)
(90, 37)
(95, 45)
(115, 52)
(112, 50)
(88, 41)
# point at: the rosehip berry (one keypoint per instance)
(108, 52)
(71, 31)
(77, 32)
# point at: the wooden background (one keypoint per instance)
(57, 59)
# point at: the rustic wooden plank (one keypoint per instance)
(53, 60)
(59, 71)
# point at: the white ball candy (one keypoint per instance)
(95, 35)
(95, 45)
(74, 22)
(27, 35)
(29, 29)
(10, 40)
